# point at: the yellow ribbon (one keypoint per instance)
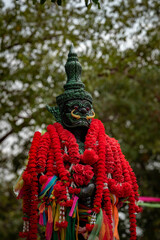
(56, 219)
(54, 207)
(77, 224)
(63, 231)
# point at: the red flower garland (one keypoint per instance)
(107, 208)
(109, 157)
(132, 196)
(60, 192)
(51, 168)
(100, 168)
(34, 191)
(42, 152)
(134, 182)
(62, 172)
(82, 174)
(68, 140)
(92, 135)
(58, 147)
(117, 173)
(132, 218)
(30, 199)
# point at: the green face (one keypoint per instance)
(82, 108)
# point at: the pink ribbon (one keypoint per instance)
(149, 199)
(43, 187)
(21, 192)
(73, 206)
(49, 230)
(41, 219)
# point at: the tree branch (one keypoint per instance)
(6, 135)
(49, 37)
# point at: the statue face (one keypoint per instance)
(77, 113)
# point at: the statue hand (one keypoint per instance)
(86, 195)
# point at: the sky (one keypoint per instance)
(7, 2)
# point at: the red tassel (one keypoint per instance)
(62, 224)
(23, 234)
(27, 178)
(90, 157)
(89, 227)
(49, 230)
(69, 203)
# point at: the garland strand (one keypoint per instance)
(132, 207)
(109, 157)
(100, 169)
(68, 140)
(42, 152)
(62, 172)
(51, 168)
(107, 208)
(117, 173)
(30, 199)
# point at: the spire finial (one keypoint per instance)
(72, 50)
(73, 70)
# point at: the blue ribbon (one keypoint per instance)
(51, 183)
(44, 218)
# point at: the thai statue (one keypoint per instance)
(76, 178)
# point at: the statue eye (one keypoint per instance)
(87, 108)
(75, 107)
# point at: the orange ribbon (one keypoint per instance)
(116, 220)
(42, 208)
(115, 216)
(50, 216)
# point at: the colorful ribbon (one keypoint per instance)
(73, 206)
(152, 205)
(149, 199)
(149, 202)
(50, 183)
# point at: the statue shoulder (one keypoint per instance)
(112, 141)
(36, 137)
(41, 134)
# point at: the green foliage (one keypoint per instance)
(88, 3)
(10, 215)
(118, 47)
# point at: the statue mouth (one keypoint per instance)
(78, 119)
(81, 122)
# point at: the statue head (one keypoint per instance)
(74, 106)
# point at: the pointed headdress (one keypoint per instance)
(74, 88)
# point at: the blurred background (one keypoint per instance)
(118, 48)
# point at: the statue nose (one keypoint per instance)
(83, 110)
